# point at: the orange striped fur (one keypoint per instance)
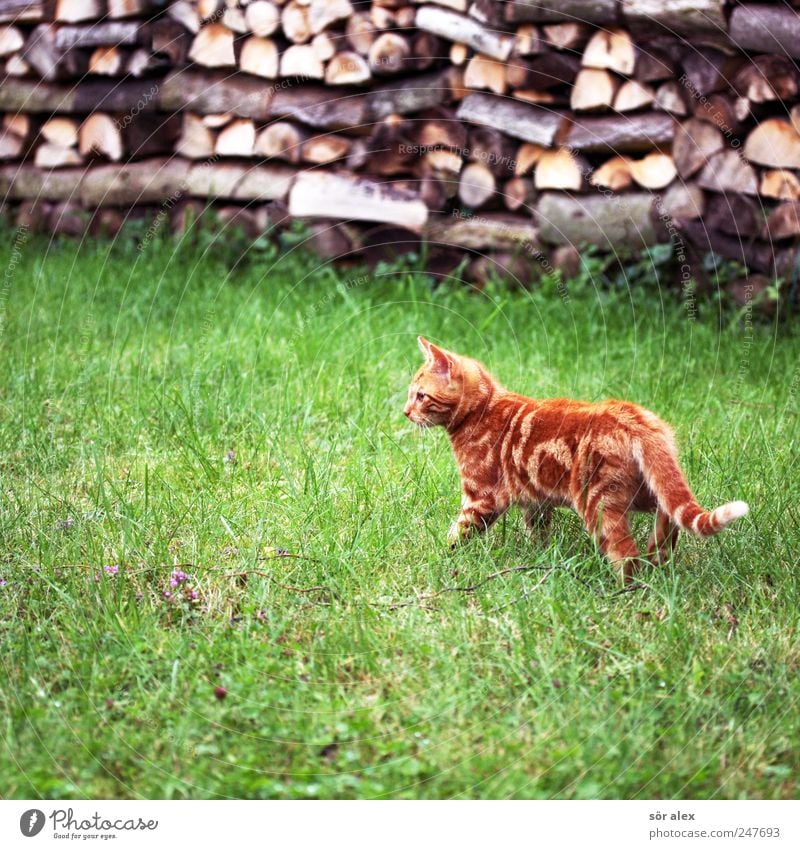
(603, 460)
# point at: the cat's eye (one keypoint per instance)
(420, 396)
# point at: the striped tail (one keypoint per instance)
(663, 475)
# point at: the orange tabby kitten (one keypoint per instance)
(603, 460)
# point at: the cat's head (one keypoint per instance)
(446, 388)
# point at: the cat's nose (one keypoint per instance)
(407, 410)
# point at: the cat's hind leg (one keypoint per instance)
(537, 517)
(610, 527)
(663, 540)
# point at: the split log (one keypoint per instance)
(455, 27)
(459, 53)
(527, 157)
(684, 17)
(783, 222)
(515, 119)
(280, 140)
(565, 36)
(127, 8)
(262, 17)
(621, 133)
(476, 185)
(653, 65)
(633, 95)
(99, 134)
(682, 202)
(694, 145)
(594, 89)
(766, 78)
(593, 219)
(780, 184)
(547, 71)
(106, 61)
(321, 150)
(41, 53)
(259, 57)
(492, 149)
(347, 68)
(527, 42)
(754, 254)
(233, 19)
(389, 53)
(723, 112)
(611, 50)
(655, 171)
(537, 97)
(774, 142)
(55, 156)
(208, 9)
(445, 164)
(11, 40)
(185, 13)
(727, 171)
(301, 60)
(16, 66)
(12, 146)
(19, 124)
(237, 139)
(670, 98)
(614, 174)
(60, 131)
(733, 214)
(294, 22)
(72, 11)
(169, 38)
(518, 193)
(323, 45)
(766, 29)
(560, 169)
(706, 70)
(316, 194)
(213, 47)
(323, 13)
(360, 32)
(441, 131)
(483, 72)
(197, 140)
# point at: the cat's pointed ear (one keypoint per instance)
(439, 360)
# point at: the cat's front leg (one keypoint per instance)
(475, 517)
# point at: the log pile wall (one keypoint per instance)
(526, 126)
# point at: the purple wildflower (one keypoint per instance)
(167, 595)
(192, 595)
(178, 577)
(111, 570)
(3, 582)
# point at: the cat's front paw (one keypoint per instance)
(456, 534)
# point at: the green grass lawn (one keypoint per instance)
(176, 406)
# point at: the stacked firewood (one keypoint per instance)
(511, 127)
